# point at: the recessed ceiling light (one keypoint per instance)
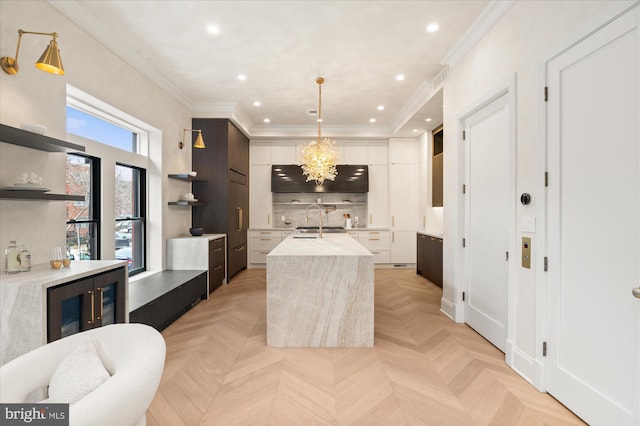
(213, 29)
(433, 27)
(257, 103)
(415, 130)
(242, 77)
(372, 120)
(266, 120)
(380, 107)
(428, 119)
(400, 77)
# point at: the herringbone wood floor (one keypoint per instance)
(423, 370)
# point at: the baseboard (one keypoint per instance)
(448, 308)
(529, 368)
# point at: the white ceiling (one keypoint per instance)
(282, 46)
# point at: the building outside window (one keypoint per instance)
(83, 217)
(130, 212)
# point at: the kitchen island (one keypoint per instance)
(320, 292)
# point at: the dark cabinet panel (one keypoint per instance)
(87, 303)
(224, 164)
(216, 263)
(237, 259)
(429, 258)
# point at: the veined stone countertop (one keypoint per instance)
(23, 302)
(44, 276)
(329, 245)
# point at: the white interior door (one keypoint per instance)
(487, 220)
(593, 151)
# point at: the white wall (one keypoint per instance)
(33, 96)
(515, 45)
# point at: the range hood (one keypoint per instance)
(289, 178)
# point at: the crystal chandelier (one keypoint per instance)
(317, 157)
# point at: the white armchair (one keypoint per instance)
(133, 354)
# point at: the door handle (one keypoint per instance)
(99, 290)
(636, 292)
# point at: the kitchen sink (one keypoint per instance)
(325, 229)
(306, 236)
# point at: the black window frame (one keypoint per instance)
(141, 217)
(95, 205)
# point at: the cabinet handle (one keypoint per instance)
(265, 239)
(217, 267)
(238, 249)
(374, 233)
(393, 221)
(217, 249)
(93, 301)
(374, 239)
(264, 252)
(99, 290)
(393, 237)
(218, 240)
(423, 236)
(239, 219)
(424, 221)
(375, 252)
(268, 218)
(265, 233)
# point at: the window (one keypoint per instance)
(91, 127)
(130, 210)
(83, 217)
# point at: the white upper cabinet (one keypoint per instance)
(356, 152)
(377, 152)
(260, 197)
(284, 152)
(403, 151)
(260, 152)
(378, 199)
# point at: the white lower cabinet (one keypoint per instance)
(261, 242)
(377, 242)
(403, 247)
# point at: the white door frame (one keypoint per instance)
(538, 374)
(506, 88)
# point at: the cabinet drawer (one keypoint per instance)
(216, 245)
(264, 243)
(381, 256)
(258, 234)
(375, 242)
(216, 276)
(258, 256)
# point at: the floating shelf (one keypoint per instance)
(32, 140)
(39, 196)
(187, 203)
(185, 177)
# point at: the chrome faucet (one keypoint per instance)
(306, 219)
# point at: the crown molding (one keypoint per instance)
(487, 19)
(109, 39)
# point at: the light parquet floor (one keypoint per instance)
(424, 369)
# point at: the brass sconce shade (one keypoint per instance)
(199, 143)
(49, 61)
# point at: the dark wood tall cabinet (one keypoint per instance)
(224, 165)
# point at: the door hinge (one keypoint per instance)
(546, 93)
(464, 188)
(464, 135)
(506, 257)
(464, 242)
(463, 294)
(544, 348)
(546, 178)
(546, 263)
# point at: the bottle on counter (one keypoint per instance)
(25, 259)
(12, 258)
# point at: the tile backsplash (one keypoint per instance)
(293, 207)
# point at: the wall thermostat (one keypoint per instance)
(526, 199)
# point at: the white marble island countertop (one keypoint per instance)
(320, 292)
(304, 244)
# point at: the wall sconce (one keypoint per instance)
(49, 61)
(199, 141)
